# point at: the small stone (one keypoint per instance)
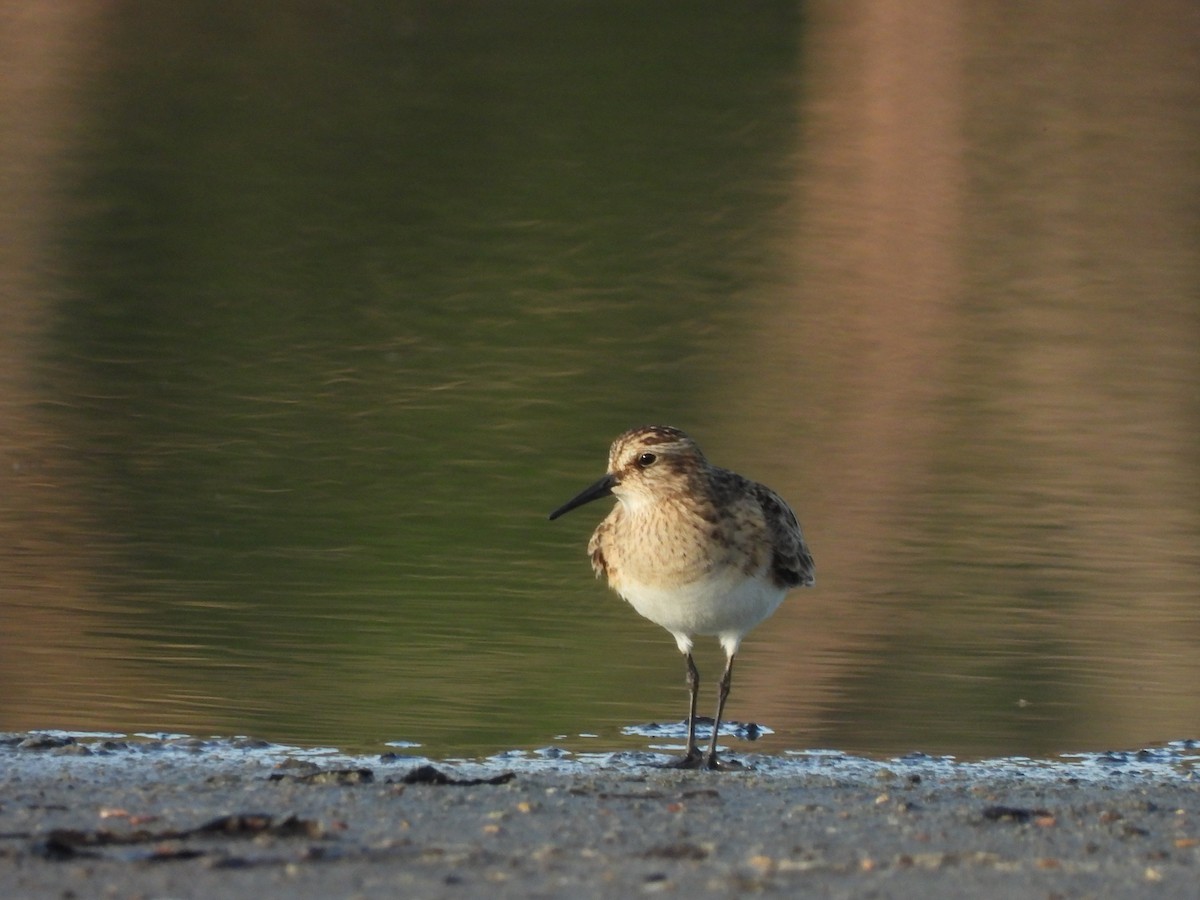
(761, 863)
(45, 742)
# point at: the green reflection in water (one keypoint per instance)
(350, 296)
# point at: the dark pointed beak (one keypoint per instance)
(601, 488)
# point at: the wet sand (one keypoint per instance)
(95, 817)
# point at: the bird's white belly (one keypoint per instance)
(727, 605)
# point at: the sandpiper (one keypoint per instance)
(694, 548)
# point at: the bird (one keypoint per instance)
(694, 548)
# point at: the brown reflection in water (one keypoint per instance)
(1086, 271)
(996, 273)
(877, 213)
(48, 543)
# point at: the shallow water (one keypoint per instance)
(107, 755)
(309, 323)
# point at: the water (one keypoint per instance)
(310, 320)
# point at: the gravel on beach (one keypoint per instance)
(182, 818)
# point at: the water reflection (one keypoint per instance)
(310, 323)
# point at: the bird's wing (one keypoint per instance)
(791, 563)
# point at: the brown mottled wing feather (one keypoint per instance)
(791, 563)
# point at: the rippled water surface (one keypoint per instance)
(310, 319)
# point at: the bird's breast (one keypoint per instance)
(667, 548)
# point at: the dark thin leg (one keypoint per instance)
(692, 757)
(726, 680)
(693, 682)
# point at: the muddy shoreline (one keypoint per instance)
(108, 816)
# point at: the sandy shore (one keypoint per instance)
(181, 818)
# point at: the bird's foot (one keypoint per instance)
(715, 763)
(698, 760)
(693, 759)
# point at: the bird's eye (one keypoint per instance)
(646, 459)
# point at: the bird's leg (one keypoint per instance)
(693, 680)
(692, 757)
(712, 762)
